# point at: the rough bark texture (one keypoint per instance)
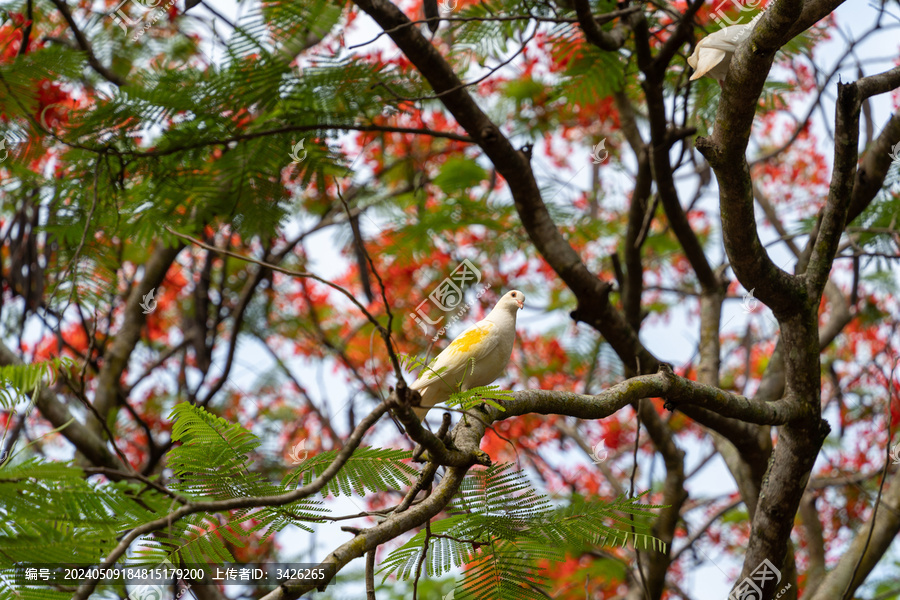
(772, 478)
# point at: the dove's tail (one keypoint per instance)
(431, 395)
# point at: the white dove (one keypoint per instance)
(477, 357)
(712, 55)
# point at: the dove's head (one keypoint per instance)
(512, 301)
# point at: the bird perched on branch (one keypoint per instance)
(712, 55)
(477, 357)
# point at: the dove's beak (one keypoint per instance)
(521, 304)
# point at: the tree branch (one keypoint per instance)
(115, 358)
(85, 45)
(726, 149)
(369, 539)
(885, 530)
(353, 441)
(88, 443)
(605, 40)
(591, 292)
(873, 168)
(831, 225)
(664, 384)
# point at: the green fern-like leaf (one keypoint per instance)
(18, 380)
(372, 469)
(487, 394)
(502, 530)
(50, 513)
(212, 459)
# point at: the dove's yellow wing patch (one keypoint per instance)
(469, 340)
(473, 344)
